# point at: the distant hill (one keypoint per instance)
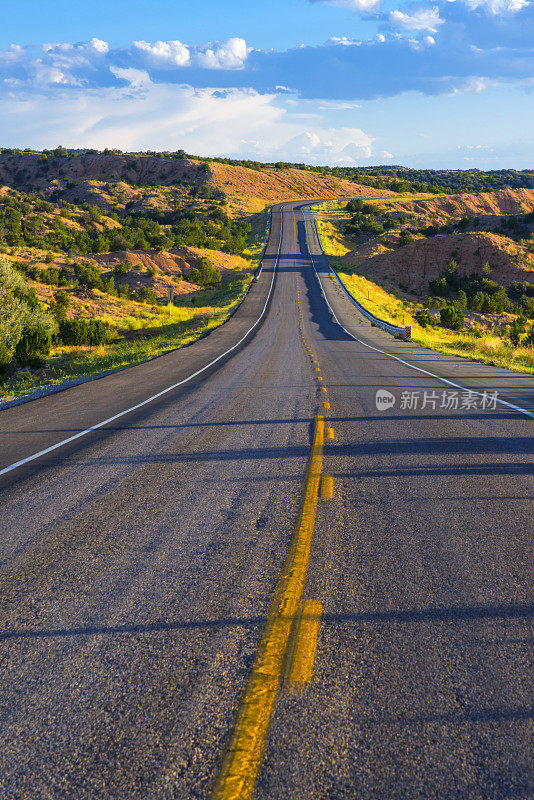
(75, 178)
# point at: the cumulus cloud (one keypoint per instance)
(80, 53)
(14, 53)
(341, 40)
(327, 146)
(173, 52)
(435, 49)
(421, 19)
(231, 54)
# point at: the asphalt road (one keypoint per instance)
(138, 564)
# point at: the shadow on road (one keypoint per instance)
(450, 614)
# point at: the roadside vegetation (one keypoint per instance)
(438, 322)
(41, 347)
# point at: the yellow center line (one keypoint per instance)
(308, 623)
(239, 771)
(327, 487)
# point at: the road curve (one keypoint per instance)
(138, 564)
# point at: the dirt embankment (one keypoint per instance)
(442, 209)
(250, 190)
(416, 263)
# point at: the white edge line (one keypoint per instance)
(406, 363)
(388, 327)
(159, 394)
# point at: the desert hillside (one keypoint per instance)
(144, 182)
(442, 209)
(422, 260)
(250, 190)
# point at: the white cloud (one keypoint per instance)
(159, 116)
(337, 105)
(136, 78)
(14, 53)
(173, 52)
(423, 19)
(341, 40)
(498, 6)
(45, 75)
(81, 53)
(99, 46)
(474, 85)
(353, 5)
(331, 145)
(230, 54)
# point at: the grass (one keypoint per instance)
(157, 335)
(489, 349)
(330, 207)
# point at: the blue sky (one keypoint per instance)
(441, 84)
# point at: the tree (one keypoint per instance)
(204, 274)
(451, 317)
(461, 299)
(17, 315)
(515, 331)
(59, 305)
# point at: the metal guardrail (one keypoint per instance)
(394, 330)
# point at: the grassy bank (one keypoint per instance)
(484, 347)
(147, 335)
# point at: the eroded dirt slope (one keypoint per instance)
(250, 190)
(416, 263)
(444, 208)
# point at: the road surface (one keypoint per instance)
(138, 563)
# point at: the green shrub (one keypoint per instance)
(405, 238)
(33, 346)
(451, 317)
(424, 318)
(19, 312)
(79, 331)
(144, 295)
(515, 331)
(122, 269)
(59, 304)
(204, 274)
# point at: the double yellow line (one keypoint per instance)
(289, 621)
